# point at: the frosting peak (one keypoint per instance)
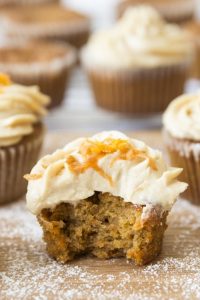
(140, 38)
(107, 162)
(20, 108)
(181, 119)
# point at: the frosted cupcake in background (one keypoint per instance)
(46, 64)
(47, 22)
(21, 135)
(182, 137)
(140, 64)
(175, 11)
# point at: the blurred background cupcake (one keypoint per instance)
(21, 135)
(50, 22)
(193, 29)
(6, 3)
(45, 64)
(182, 138)
(140, 64)
(174, 11)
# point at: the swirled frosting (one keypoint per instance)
(20, 108)
(140, 38)
(182, 117)
(107, 162)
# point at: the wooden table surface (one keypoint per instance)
(26, 272)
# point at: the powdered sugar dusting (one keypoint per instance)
(28, 273)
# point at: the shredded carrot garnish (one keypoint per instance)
(32, 176)
(4, 79)
(93, 151)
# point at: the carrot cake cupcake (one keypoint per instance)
(175, 11)
(140, 64)
(107, 195)
(21, 135)
(182, 137)
(51, 22)
(49, 66)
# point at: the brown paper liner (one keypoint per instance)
(15, 162)
(142, 91)
(186, 154)
(52, 81)
(176, 17)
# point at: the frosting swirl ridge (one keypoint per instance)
(20, 108)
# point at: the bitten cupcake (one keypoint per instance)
(21, 135)
(50, 22)
(175, 11)
(45, 64)
(140, 64)
(6, 3)
(107, 195)
(182, 137)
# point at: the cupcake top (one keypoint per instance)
(107, 162)
(51, 55)
(140, 38)
(45, 19)
(181, 119)
(20, 108)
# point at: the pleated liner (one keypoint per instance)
(186, 154)
(15, 162)
(142, 91)
(51, 83)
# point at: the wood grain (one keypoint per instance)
(26, 272)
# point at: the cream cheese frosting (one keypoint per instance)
(20, 108)
(140, 38)
(108, 162)
(182, 117)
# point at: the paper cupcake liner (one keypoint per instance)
(142, 91)
(186, 154)
(51, 77)
(15, 162)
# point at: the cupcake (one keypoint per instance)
(45, 64)
(140, 64)
(194, 31)
(107, 195)
(182, 138)
(50, 22)
(6, 3)
(21, 135)
(175, 11)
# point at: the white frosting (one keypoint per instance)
(182, 117)
(20, 108)
(140, 38)
(52, 181)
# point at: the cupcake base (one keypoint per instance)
(15, 162)
(144, 91)
(104, 226)
(186, 154)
